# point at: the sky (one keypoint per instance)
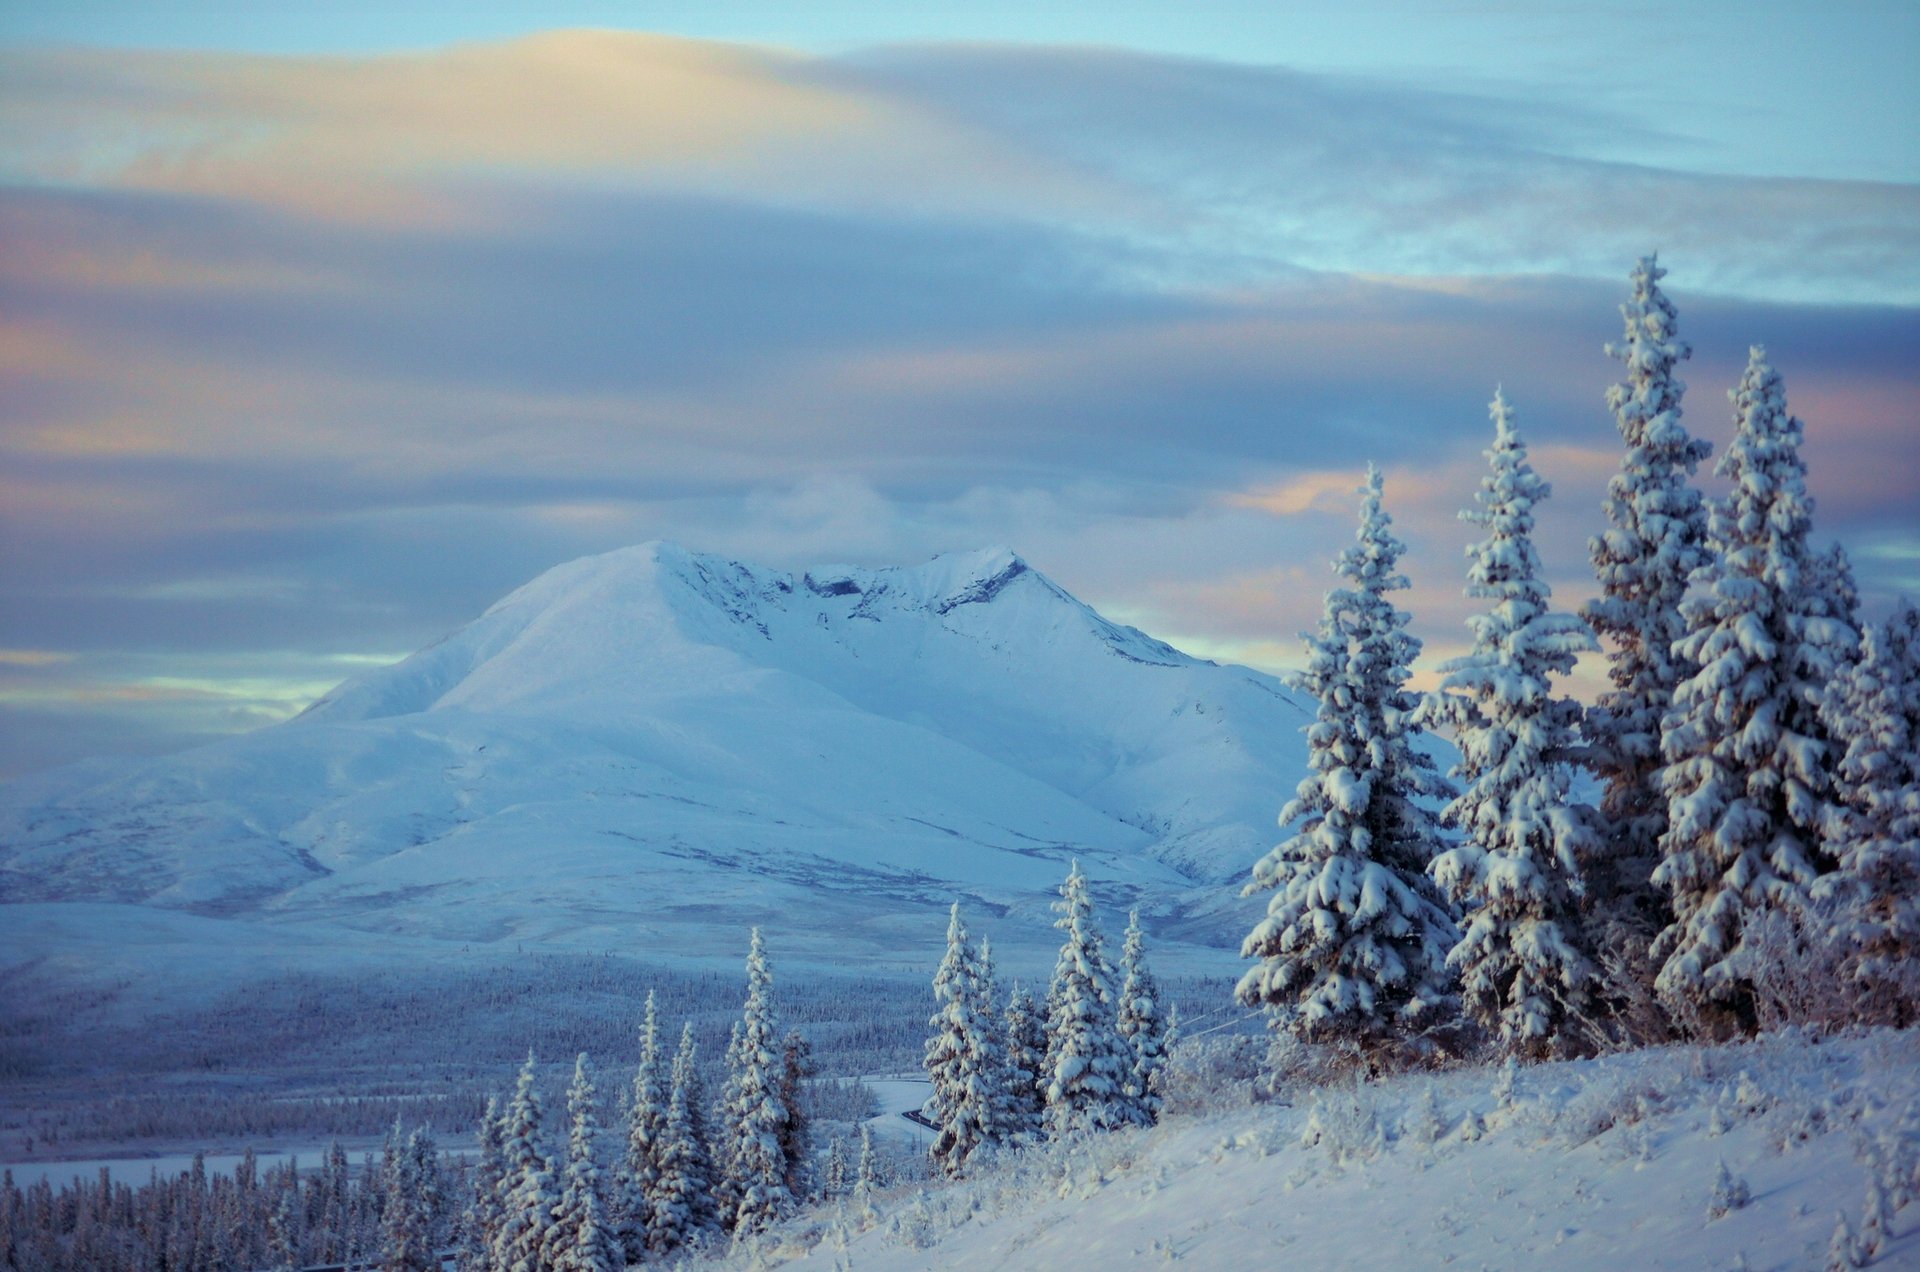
(324, 326)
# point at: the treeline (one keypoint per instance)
(1754, 856)
(406, 1201)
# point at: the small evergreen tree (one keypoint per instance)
(871, 1178)
(480, 1225)
(1355, 940)
(756, 1164)
(527, 1185)
(1026, 1035)
(958, 1062)
(1656, 538)
(796, 1142)
(579, 1238)
(1873, 710)
(1088, 1063)
(636, 1185)
(1141, 1023)
(1748, 776)
(1522, 962)
(683, 1203)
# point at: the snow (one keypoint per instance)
(851, 747)
(1597, 1164)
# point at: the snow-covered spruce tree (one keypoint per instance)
(1748, 776)
(796, 1142)
(1088, 1062)
(1026, 1034)
(1140, 1022)
(986, 1009)
(1355, 941)
(527, 1193)
(634, 1187)
(756, 1167)
(683, 1200)
(957, 1058)
(580, 1238)
(869, 1180)
(1873, 710)
(1656, 537)
(1515, 876)
(481, 1222)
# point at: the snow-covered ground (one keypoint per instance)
(1602, 1164)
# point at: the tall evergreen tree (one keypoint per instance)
(1141, 1022)
(1515, 876)
(1355, 940)
(1088, 1062)
(1748, 776)
(638, 1180)
(869, 1180)
(958, 1058)
(756, 1163)
(527, 1184)
(683, 1208)
(1656, 538)
(580, 1239)
(1873, 710)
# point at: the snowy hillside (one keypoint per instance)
(652, 748)
(1599, 1164)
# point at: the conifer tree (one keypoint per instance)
(1873, 711)
(480, 1225)
(796, 1143)
(834, 1186)
(1026, 1035)
(870, 1179)
(958, 1059)
(1656, 538)
(580, 1239)
(1141, 1022)
(683, 1202)
(1355, 940)
(1748, 776)
(728, 1115)
(756, 1164)
(1088, 1062)
(1515, 877)
(646, 1122)
(527, 1184)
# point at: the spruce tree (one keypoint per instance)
(1026, 1034)
(1873, 710)
(527, 1185)
(796, 1142)
(957, 1061)
(646, 1121)
(871, 1177)
(1656, 538)
(1088, 1063)
(1515, 876)
(1141, 1022)
(580, 1239)
(480, 1225)
(683, 1202)
(756, 1164)
(1749, 763)
(1355, 940)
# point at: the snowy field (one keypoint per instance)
(1607, 1163)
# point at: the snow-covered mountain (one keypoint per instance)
(649, 749)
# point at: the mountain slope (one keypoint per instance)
(657, 745)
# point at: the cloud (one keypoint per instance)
(954, 297)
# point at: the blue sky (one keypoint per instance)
(325, 327)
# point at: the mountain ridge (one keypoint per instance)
(668, 740)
